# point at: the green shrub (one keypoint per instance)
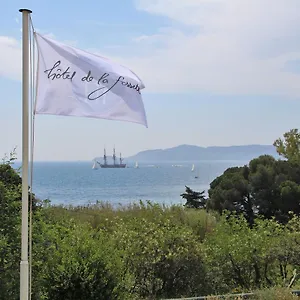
(162, 259)
(71, 261)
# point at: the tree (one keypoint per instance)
(267, 187)
(194, 199)
(289, 146)
(8, 175)
(10, 224)
(13, 181)
(231, 191)
(10, 208)
(274, 187)
(263, 185)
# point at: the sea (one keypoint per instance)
(76, 183)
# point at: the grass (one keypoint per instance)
(102, 213)
(265, 294)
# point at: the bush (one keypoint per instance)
(162, 259)
(243, 259)
(71, 261)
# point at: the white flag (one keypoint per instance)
(72, 82)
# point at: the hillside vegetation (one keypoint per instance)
(244, 238)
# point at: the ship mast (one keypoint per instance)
(114, 156)
(104, 157)
(121, 160)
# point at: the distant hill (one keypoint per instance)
(194, 153)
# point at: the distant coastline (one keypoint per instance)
(196, 153)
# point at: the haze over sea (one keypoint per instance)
(77, 183)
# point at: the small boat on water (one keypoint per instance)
(136, 165)
(95, 165)
(193, 169)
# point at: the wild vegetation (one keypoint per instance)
(244, 238)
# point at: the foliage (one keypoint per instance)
(242, 258)
(10, 223)
(231, 191)
(9, 159)
(157, 254)
(10, 207)
(289, 146)
(275, 293)
(151, 251)
(105, 215)
(143, 251)
(194, 199)
(266, 187)
(162, 258)
(71, 261)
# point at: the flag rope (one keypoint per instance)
(32, 133)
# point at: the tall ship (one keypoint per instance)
(115, 164)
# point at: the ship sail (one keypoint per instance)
(193, 168)
(136, 165)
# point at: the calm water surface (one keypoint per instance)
(77, 183)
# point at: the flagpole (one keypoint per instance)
(24, 268)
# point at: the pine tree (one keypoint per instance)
(194, 199)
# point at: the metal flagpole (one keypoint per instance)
(24, 268)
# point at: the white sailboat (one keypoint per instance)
(197, 173)
(95, 166)
(136, 165)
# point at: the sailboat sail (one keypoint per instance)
(95, 166)
(193, 168)
(136, 165)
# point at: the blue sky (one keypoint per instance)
(217, 72)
